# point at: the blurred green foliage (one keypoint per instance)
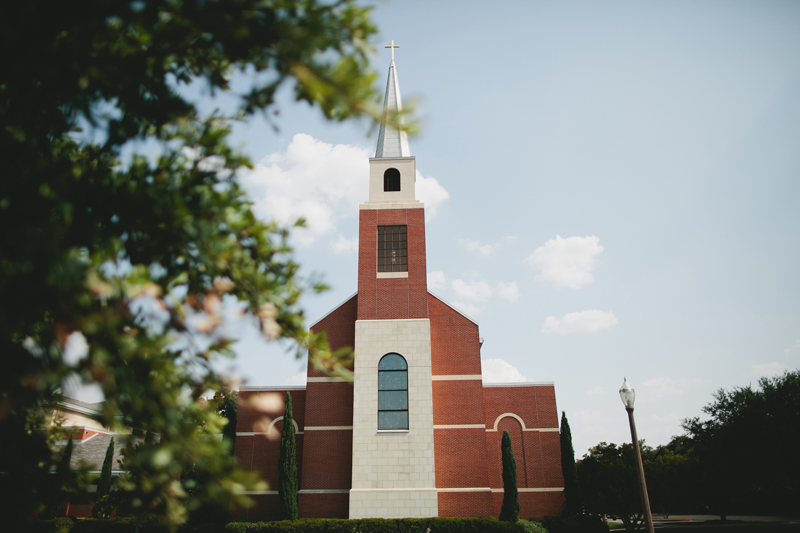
(136, 253)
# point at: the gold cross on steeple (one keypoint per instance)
(392, 46)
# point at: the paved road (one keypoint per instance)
(704, 517)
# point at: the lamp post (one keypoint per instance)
(628, 396)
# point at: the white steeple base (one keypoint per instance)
(393, 471)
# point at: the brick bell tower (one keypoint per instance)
(393, 471)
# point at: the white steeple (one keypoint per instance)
(391, 142)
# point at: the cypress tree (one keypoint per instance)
(62, 468)
(104, 483)
(509, 512)
(572, 489)
(287, 466)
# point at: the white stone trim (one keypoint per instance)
(294, 423)
(255, 433)
(504, 415)
(392, 275)
(538, 489)
(391, 205)
(522, 423)
(526, 384)
(407, 158)
(387, 321)
(327, 428)
(328, 379)
(243, 388)
(460, 426)
(392, 430)
(466, 489)
(323, 491)
(398, 489)
(457, 377)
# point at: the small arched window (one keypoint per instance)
(391, 180)
(392, 392)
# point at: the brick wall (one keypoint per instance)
(536, 452)
(323, 505)
(460, 453)
(455, 340)
(340, 327)
(392, 298)
(328, 453)
(259, 453)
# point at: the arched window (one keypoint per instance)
(392, 392)
(391, 180)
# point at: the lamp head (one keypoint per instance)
(627, 394)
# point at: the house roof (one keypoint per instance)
(91, 452)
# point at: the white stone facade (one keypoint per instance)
(393, 471)
(407, 166)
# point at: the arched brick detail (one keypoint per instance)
(514, 425)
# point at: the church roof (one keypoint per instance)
(392, 142)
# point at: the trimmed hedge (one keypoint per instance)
(55, 525)
(149, 524)
(304, 525)
(581, 523)
(379, 525)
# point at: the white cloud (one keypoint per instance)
(767, 370)
(663, 386)
(580, 322)
(344, 245)
(666, 427)
(598, 390)
(566, 262)
(467, 308)
(499, 371)
(475, 246)
(795, 347)
(297, 379)
(476, 291)
(322, 183)
(431, 193)
(312, 179)
(588, 428)
(436, 280)
(508, 291)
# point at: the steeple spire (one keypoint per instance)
(392, 142)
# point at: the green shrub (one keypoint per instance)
(146, 524)
(582, 523)
(54, 525)
(379, 525)
(532, 526)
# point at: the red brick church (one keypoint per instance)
(416, 433)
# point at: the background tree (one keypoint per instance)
(287, 466)
(136, 253)
(226, 402)
(572, 489)
(509, 512)
(740, 473)
(609, 485)
(104, 481)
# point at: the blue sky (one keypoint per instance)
(613, 189)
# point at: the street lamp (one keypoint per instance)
(628, 396)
